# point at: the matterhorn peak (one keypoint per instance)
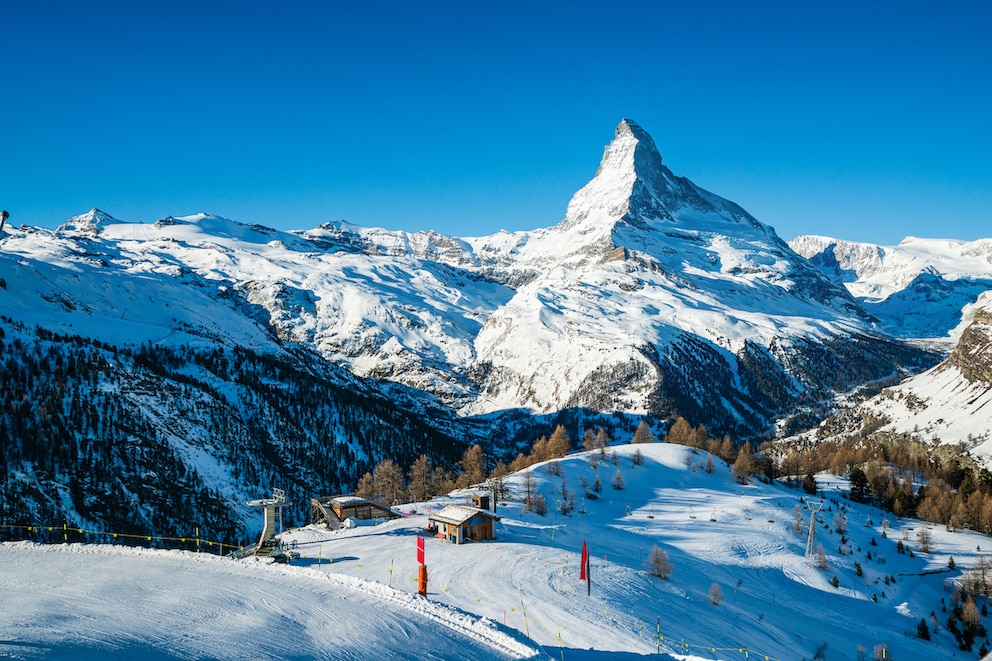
(631, 184)
(633, 191)
(632, 154)
(632, 147)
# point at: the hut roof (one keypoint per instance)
(352, 500)
(459, 514)
(349, 500)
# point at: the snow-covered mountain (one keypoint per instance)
(652, 296)
(918, 289)
(656, 285)
(246, 355)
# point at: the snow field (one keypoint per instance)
(94, 602)
(775, 601)
(352, 592)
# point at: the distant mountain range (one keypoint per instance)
(919, 289)
(243, 357)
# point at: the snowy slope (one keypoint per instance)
(354, 586)
(952, 402)
(776, 602)
(919, 288)
(85, 602)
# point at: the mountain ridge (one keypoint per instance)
(918, 290)
(643, 260)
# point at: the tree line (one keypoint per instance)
(423, 479)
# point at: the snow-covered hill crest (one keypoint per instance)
(735, 581)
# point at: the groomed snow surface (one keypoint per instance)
(352, 594)
(95, 602)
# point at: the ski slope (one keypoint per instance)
(352, 594)
(98, 602)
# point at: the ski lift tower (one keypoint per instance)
(814, 507)
(273, 511)
(279, 495)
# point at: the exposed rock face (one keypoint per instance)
(973, 353)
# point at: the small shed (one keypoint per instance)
(461, 523)
(481, 501)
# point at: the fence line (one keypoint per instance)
(65, 529)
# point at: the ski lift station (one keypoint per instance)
(334, 510)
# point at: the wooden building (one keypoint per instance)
(461, 523)
(335, 509)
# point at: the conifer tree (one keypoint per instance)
(539, 451)
(923, 537)
(821, 557)
(530, 490)
(387, 482)
(364, 487)
(860, 490)
(472, 467)
(559, 444)
(540, 506)
(521, 462)
(643, 434)
(744, 465)
(421, 475)
(443, 484)
(589, 439)
(595, 440)
(602, 438)
(680, 432)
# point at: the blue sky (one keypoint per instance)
(864, 121)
